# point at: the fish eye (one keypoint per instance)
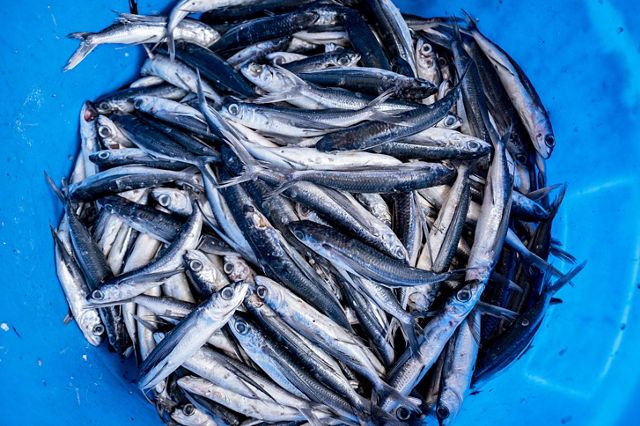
(261, 291)
(450, 121)
(426, 49)
(343, 60)
(188, 410)
(521, 158)
(97, 294)
(474, 145)
(298, 234)
(256, 68)
(241, 327)
(164, 200)
(524, 322)
(442, 412)
(97, 329)
(226, 293)
(138, 103)
(195, 265)
(550, 141)
(103, 106)
(103, 155)
(228, 268)
(402, 414)
(104, 131)
(233, 109)
(463, 295)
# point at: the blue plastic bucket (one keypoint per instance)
(582, 56)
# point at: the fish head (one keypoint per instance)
(189, 415)
(173, 199)
(237, 269)
(449, 403)
(346, 59)
(110, 133)
(244, 330)
(266, 77)
(91, 326)
(478, 147)
(462, 302)
(233, 294)
(272, 293)
(100, 157)
(308, 234)
(544, 140)
(199, 265)
(450, 121)
(144, 103)
(106, 295)
(234, 110)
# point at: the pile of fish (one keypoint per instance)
(310, 213)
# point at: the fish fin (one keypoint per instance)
(391, 329)
(496, 311)
(80, 35)
(475, 327)
(81, 52)
(272, 98)
(562, 254)
(538, 194)
(132, 18)
(68, 317)
(555, 301)
(555, 205)
(565, 278)
(311, 418)
(146, 324)
(471, 22)
(133, 6)
(501, 279)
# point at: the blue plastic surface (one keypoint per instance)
(584, 59)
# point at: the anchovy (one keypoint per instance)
(369, 80)
(370, 134)
(122, 100)
(189, 335)
(339, 58)
(362, 260)
(136, 29)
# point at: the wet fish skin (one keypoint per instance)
(190, 334)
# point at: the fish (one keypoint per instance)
(138, 29)
(311, 212)
(190, 335)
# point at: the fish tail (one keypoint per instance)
(171, 45)
(565, 278)
(82, 51)
(61, 196)
(79, 35)
(471, 22)
(562, 254)
(496, 311)
(409, 330)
